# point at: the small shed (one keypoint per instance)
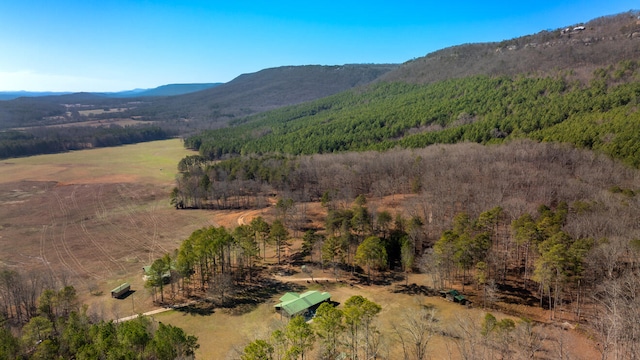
(120, 290)
(292, 304)
(455, 296)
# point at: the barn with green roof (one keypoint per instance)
(292, 304)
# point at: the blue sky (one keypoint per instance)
(112, 45)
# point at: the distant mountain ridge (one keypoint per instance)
(10, 95)
(272, 88)
(212, 107)
(571, 53)
(577, 49)
(164, 90)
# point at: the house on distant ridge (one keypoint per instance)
(292, 304)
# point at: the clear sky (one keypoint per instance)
(112, 45)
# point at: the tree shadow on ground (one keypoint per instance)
(202, 309)
(517, 295)
(380, 279)
(249, 296)
(414, 289)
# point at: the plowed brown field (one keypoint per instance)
(93, 218)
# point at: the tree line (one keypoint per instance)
(444, 180)
(56, 140)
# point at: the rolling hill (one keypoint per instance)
(265, 90)
(204, 105)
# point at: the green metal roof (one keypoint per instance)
(456, 295)
(294, 303)
(120, 287)
(147, 271)
(289, 296)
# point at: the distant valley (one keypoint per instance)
(164, 90)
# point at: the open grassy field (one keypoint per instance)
(101, 111)
(93, 218)
(96, 123)
(152, 163)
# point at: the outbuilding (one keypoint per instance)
(455, 296)
(120, 290)
(293, 304)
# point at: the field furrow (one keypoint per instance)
(63, 241)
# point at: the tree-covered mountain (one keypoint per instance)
(546, 86)
(575, 50)
(211, 107)
(476, 92)
(479, 109)
(264, 90)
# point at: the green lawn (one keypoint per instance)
(151, 162)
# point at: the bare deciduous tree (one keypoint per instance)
(415, 330)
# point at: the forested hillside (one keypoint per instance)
(575, 50)
(208, 108)
(264, 90)
(479, 109)
(95, 118)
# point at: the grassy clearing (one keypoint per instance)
(95, 123)
(151, 162)
(222, 334)
(101, 111)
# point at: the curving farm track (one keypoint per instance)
(89, 233)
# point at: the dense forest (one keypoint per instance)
(541, 224)
(480, 109)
